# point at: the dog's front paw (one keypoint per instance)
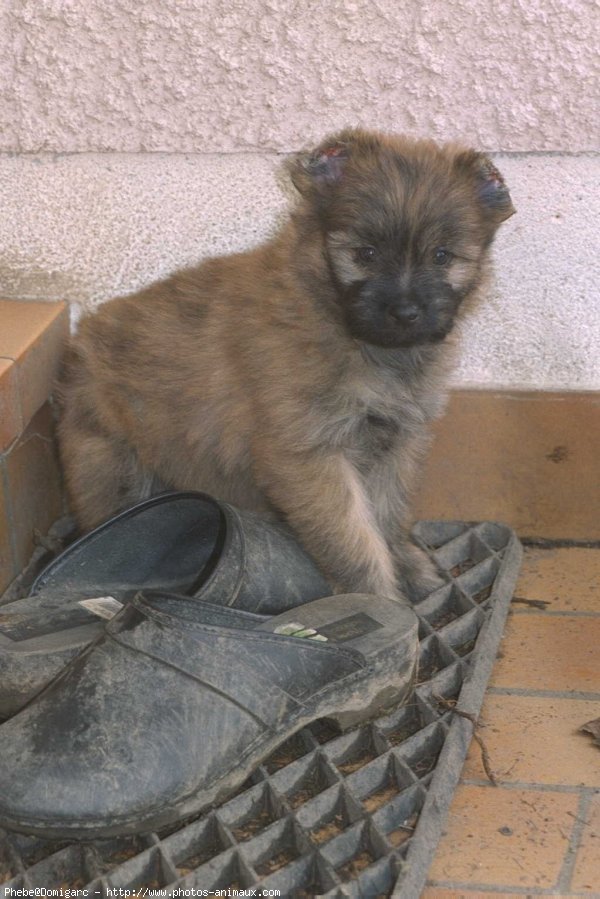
(417, 573)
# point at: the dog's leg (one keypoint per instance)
(324, 501)
(390, 485)
(103, 475)
(417, 574)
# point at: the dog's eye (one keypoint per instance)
(365, 254)
(442, 256)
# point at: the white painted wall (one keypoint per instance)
(197, 76)
(135, 138)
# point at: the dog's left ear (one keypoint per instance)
(491, 188)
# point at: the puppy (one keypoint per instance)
(298, 379)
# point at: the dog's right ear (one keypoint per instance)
(320, 169)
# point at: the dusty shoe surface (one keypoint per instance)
(178, 702)
(181, 542)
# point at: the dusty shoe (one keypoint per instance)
(186, 543)
(179, 701)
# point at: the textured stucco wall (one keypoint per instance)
(89, 227)
(136, 137)
(227, 75)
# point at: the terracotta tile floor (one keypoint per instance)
(537, 832)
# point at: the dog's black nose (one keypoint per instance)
(406, 315)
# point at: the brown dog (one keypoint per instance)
(298, 378)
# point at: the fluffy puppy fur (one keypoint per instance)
(297, 379)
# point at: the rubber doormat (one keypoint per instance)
(328, 814)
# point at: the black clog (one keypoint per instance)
(181, 542)
(178, 702)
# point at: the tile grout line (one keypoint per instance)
(556, 613)
(503, 889)
(545, 694)
(19, 403)
(9, 513)
(581, 820)
(525, 785)
(266, 152)
(551, 543)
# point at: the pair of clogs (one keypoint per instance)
(162, 657)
